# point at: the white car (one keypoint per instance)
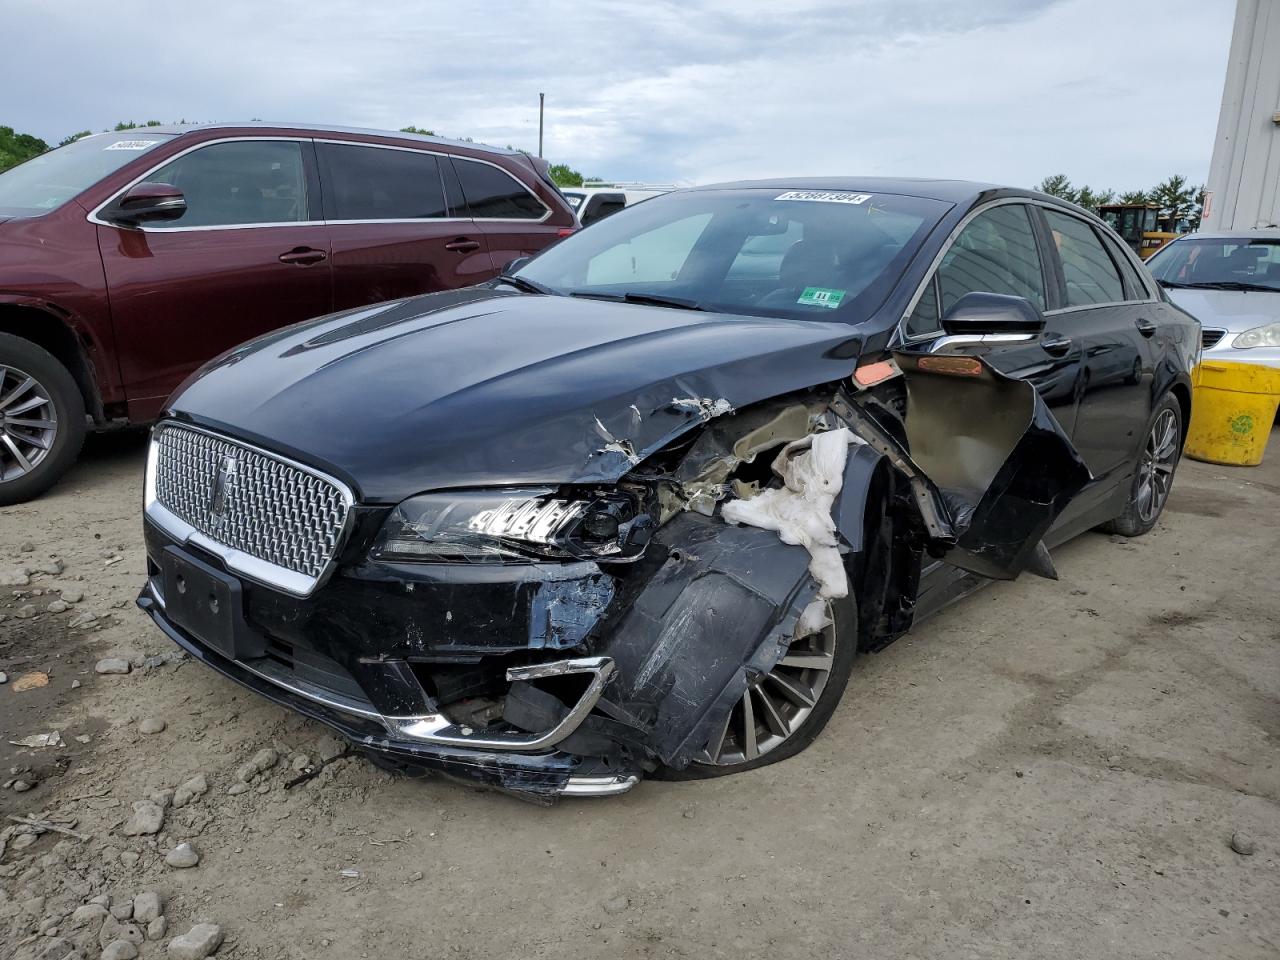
(592, 201)
(1231, 283)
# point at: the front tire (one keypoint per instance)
(42, 422)
(1153, 475)
(783, 711)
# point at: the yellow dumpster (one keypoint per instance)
(1232, 411)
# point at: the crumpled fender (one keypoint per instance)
(722, 606)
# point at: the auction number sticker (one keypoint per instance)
(824, 196)
(131, 145)
(821, 297)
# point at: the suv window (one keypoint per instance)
(995, 253)
(372, 183)
(238, 182)
(1090, 274)
(493, 194)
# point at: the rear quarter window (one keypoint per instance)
(493, 194)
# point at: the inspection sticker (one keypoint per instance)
(824, 196)
(131, 145)
(821, 297)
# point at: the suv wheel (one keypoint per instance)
(41, 420)
(1153, 475)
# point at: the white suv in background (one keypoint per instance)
(595, 200)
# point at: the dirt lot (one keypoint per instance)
(1049, 770)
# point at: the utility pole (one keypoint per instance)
(542, 99)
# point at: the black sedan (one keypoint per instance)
(638, 506)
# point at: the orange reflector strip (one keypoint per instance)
(872, 373)
(952, 366)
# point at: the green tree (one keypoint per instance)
(1197, 213)
(1176, 199)
(130, 125)
(74, 137)
(1134, 196)
(1092, 199)
(18, 147)
(565, 176)
(418, 130)
(1058, 186)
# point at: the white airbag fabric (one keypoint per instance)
(812, 471)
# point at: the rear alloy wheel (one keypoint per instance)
(783, 711)
(1153, 474)
(41, 420)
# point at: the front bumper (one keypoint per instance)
(1222, 350)
(524, 764)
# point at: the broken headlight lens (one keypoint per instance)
(1264, 336)
(513, 526)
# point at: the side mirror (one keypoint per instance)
(149, 201)
(514, 265)
(980, 314)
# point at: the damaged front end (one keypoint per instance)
(552, 640)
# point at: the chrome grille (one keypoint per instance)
(1209, 338)
(283, 515)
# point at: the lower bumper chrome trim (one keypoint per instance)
(605, 786)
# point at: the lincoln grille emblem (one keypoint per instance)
(222, 485)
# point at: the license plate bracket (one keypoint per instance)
(208, 604)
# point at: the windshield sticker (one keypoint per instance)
(821, 297)
(131, 145)
(824, 196)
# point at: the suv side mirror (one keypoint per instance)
(149, 201)
(980, 314)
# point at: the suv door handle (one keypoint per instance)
(303, 256)
(1055, 344)
(1145, 327)
(462, 245)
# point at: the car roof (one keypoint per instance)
(952, 191)
(185, 128)
(1267, 233)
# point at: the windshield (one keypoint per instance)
(829, 255)
(51, 179)
(1248, 262)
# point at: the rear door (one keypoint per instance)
(393, 233)
(512, 218)
(1113, 318)
(250, 254)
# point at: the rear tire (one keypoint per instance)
(1153, 473)
(776, 700)
(42, 422)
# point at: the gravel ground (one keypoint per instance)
(1049, 770)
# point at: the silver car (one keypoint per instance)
(1231, 283)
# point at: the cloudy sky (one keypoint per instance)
(1113, 93)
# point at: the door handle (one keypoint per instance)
(1055, 344)
(303, 256)
(1145, 327)
(462, 245)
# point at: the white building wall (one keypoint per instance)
(1244, 175)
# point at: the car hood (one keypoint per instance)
(482, 387)
(1232, 310)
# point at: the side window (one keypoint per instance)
(493, 194)
(1135, 289)
(238, 182)
(370, 183)
(995, 253)
(1086, 266)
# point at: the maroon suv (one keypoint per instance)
(129, 259)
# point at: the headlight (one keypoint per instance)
(1264, 336)
(512, 526)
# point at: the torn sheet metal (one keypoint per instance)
(812, 471)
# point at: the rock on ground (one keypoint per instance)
(197, 943)
(151, 725)
(112, 665)
(189, 790)
(147, 906)
(182, 856)
(260, 762)
(119, 950)
(147, 819)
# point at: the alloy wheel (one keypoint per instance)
(1155, 469)
(777, 703)
(28, 423)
